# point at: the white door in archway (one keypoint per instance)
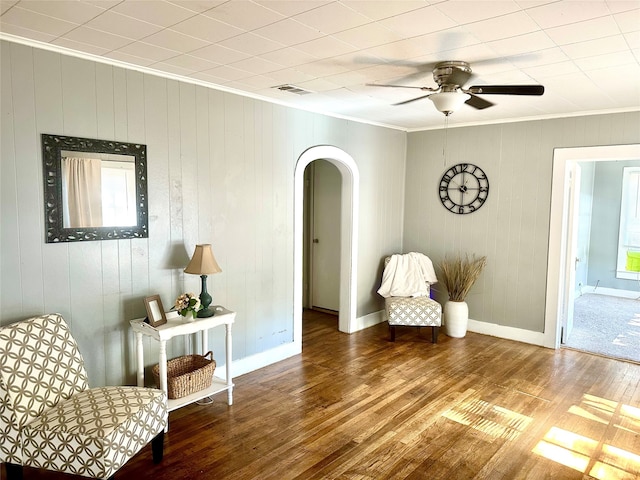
(325, 246)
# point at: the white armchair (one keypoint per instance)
(51, 419)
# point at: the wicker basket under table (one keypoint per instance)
(187, 374)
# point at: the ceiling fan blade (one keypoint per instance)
(421, 74)
(412, 100)
(395, 86)
(478, 103)
(365, 60)
(508, 89)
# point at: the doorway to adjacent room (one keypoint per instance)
(586, 298)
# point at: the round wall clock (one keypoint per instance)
(464, 188)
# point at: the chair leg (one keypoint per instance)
(392, 332)
(14, 471)
(434, 334)
(157, 447)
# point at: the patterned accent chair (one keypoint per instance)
(51, 419)
(413, 312)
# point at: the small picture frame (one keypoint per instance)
(155, 312)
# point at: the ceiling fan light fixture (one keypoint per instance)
(448, 102)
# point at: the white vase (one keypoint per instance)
(456, 318)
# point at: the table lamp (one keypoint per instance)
(203, 263)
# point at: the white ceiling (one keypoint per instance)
(585, 53)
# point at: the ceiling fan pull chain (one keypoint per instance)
(446, 136)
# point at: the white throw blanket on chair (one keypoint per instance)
(407, 276)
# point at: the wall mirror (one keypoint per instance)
(94, 189)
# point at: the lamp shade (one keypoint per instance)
(203, 262)
(448, 102)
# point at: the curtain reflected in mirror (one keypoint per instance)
(81, 192)
(94, 189)
(98, 192)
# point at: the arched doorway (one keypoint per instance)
(348, 233)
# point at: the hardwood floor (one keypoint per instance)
(360, 407)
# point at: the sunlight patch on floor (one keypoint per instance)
(494, 420)
(576, 410)
(567, 448)
(602, 471)
(562, 456)
(601, 460)
(632, 413)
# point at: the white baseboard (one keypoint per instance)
(509, 333)
(282, 352)
(260, 360)
(369, 320)
(492, 329)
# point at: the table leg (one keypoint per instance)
(140, 358)
(163, 373)
(163, 365)
(228, 344)
(205, 341)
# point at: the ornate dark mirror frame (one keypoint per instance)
(52, 146)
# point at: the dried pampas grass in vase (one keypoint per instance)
(459, 274)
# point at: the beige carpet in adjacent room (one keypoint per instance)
(607, 326)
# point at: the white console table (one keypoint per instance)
(176, 326)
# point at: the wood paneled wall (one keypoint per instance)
(512, 228)
(220, 171)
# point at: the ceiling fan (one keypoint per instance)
(450, 93)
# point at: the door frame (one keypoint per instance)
(573, 212)
(348, 235)
(559, 228)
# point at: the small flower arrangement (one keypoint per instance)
(188, 303)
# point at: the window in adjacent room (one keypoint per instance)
(629, 236)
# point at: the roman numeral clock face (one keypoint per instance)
(463, 188)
